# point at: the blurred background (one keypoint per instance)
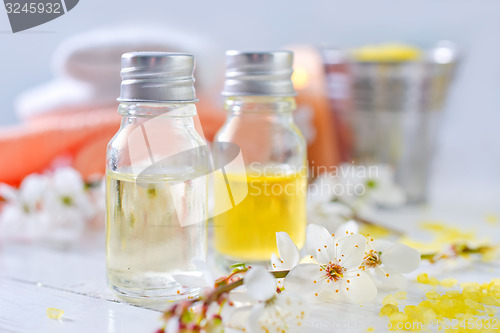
(467, 159)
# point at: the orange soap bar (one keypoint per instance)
(80, 134)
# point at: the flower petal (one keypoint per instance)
(192, 281)
(235, 317)
(241, 297)
(292, 304)
(401, 258)
(347, 228)
(172, 325)
(67, 181)
(276, 264)
(33, 189)
(360, 288)
(380, 245)
(202, 267)
(386, 279)
(305, 279)
(260, 284)
(285, 314)
(319, 243)
(8, 192)
(287, 249)
(253, 324)
(351, 251)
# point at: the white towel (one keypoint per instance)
(87, 67)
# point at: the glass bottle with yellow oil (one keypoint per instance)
(156, 180)
(260, 102)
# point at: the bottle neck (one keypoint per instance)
(260, 104)
(150, 110)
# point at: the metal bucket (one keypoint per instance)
(389, 112)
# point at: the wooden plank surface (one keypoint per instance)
(35, 277)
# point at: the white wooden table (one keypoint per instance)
(34, 278)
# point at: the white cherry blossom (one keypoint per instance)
(389, 260)
(21, 217)
(283, 312)
(66, 206)
(55, 208)
(352, 190)
(337, 270)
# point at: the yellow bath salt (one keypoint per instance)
(443, 236)
(425, 279)
(54, 313)
(432, 294)
(449, 283)
(390, 299)
(388, 309)
(434, 282)
(398, 317)
(370, 329)
(474, 308)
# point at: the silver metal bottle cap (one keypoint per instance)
(259, 74)
(157, 77)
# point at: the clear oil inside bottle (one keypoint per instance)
(145, 241)
(156, 199)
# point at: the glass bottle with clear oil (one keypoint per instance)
(259, 100)
(156, 180)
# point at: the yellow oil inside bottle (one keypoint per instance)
(275, 202)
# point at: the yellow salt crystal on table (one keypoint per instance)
(402, 320)
(388, 309)
(473, 303)
(469, 285)
(491, 311)
(390, 299)
(433, 281)
(443, 236)
(449, 283)
(495, 282)
(432, 294)
(423, 278)
(398, 317)
(414, 312)
(54, 313)
(428, 314)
